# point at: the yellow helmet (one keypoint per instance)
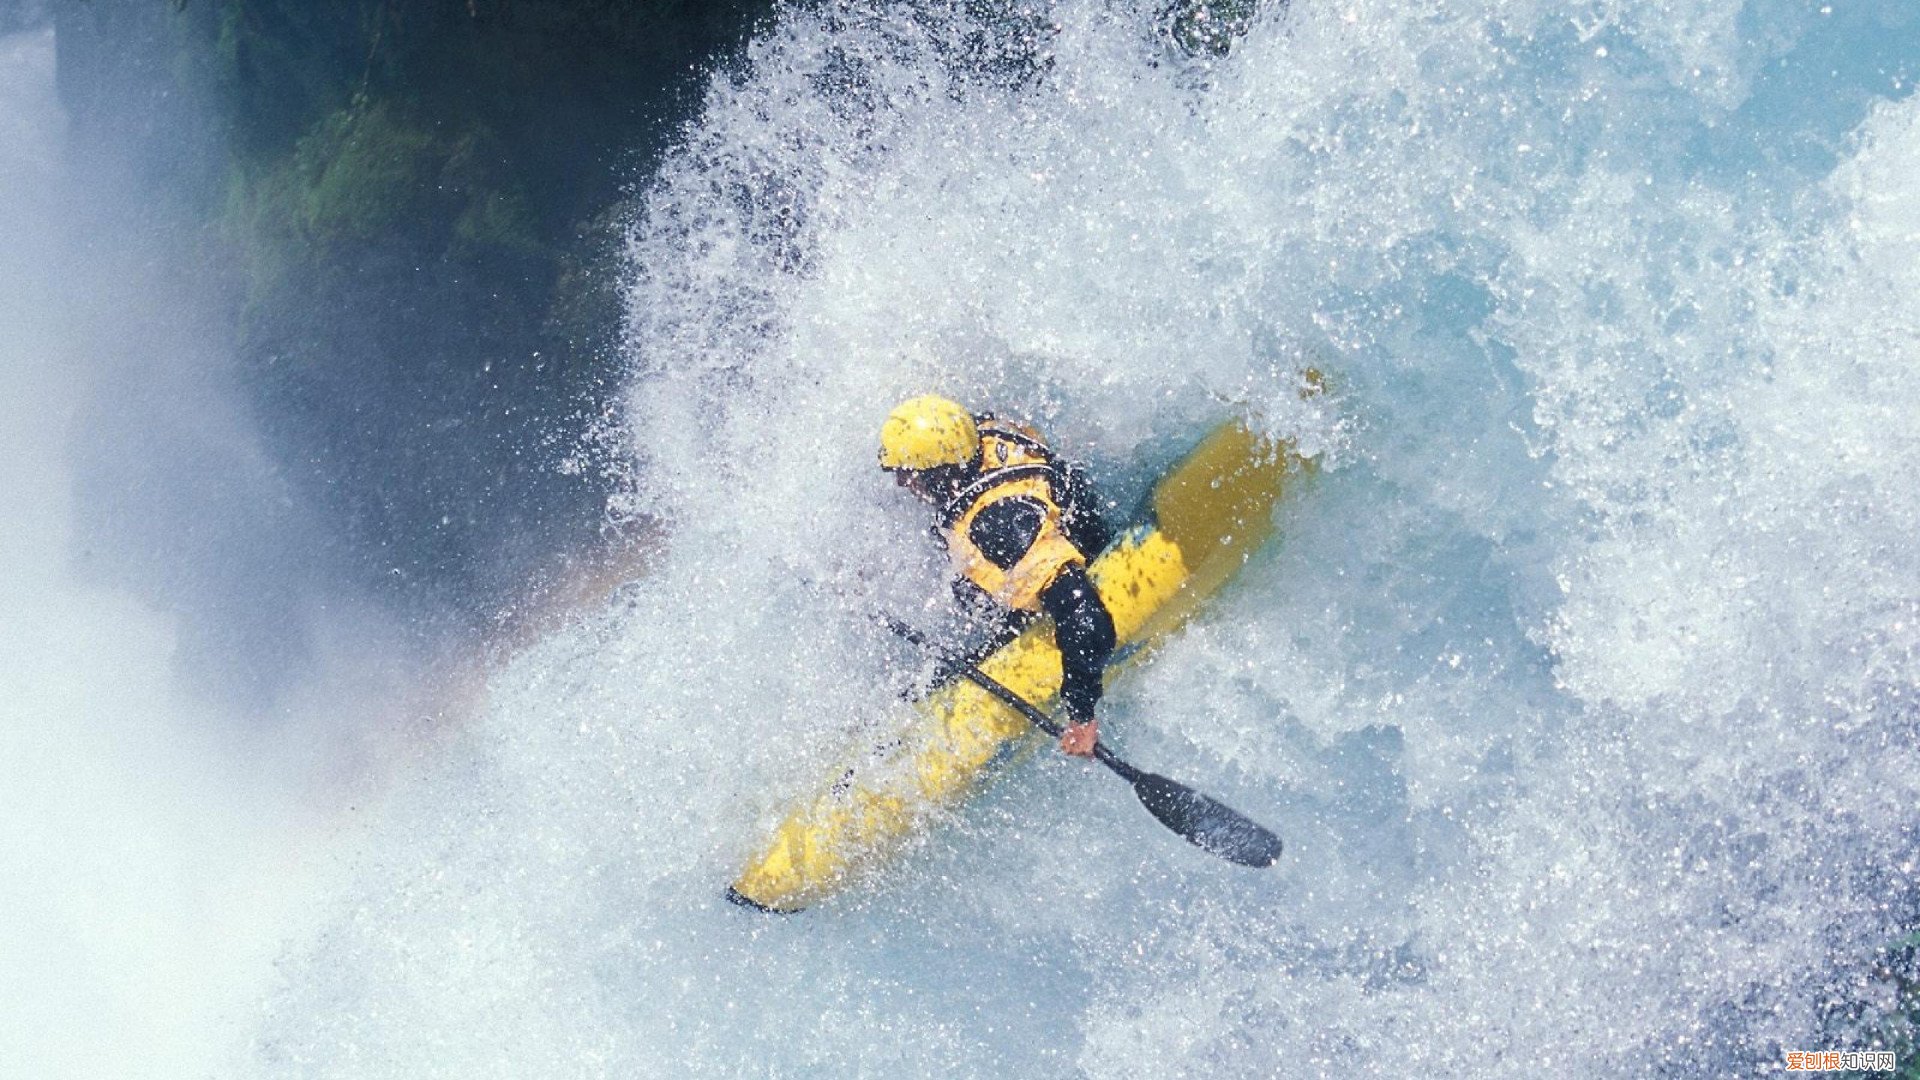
(927, 432)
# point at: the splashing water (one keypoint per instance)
(1582, 682)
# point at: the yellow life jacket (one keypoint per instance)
(1014, 463)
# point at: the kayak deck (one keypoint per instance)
(1207, 517)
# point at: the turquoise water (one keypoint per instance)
(1581, 683)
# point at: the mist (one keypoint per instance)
(191, 704)
(1580, 682)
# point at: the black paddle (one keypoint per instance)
(1205, 822)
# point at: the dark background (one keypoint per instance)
(405, 216)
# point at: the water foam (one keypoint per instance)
(1581, 682)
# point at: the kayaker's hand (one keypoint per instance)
(1078, 739)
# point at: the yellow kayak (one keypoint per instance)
(1207, 516)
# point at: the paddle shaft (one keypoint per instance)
(1013, 701)
(1203, 821)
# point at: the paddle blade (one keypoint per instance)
(1217, 828)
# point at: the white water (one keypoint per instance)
(1581, 685)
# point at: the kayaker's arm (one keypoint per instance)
(1083, 629)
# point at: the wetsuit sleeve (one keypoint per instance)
(1084, 631)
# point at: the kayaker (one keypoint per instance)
(1020, 526)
